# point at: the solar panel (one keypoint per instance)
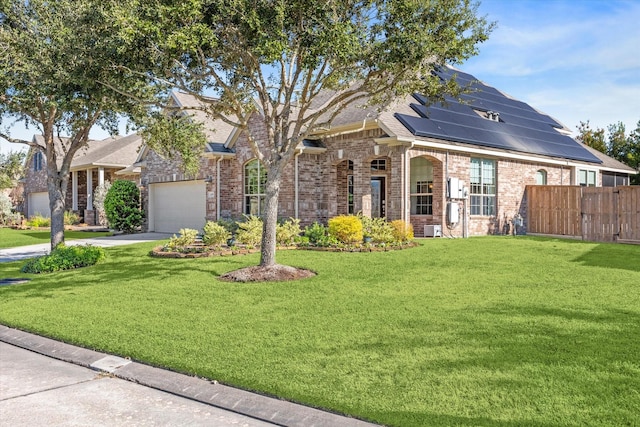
(520, 128)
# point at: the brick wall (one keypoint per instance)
(322, 178)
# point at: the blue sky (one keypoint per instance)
(575, 60)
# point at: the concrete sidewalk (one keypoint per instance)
(46, 382)
(31, 251)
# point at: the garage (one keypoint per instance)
(176, 205)
(38, 204)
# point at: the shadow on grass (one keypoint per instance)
(123, 264)
(613, 255)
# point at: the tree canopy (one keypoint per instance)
(58, 73)
(11, 168)
(616, 144)
(298, 64)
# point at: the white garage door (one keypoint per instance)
(176, 205)
(38, 203)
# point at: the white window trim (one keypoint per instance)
(576, 175)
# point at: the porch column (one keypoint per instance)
(100, 177)
(74, 190)
(89, 190)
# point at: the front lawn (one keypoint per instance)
(491, 331)
(11, 238)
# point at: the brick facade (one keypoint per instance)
(323, 182)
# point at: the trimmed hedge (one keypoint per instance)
(122, 206)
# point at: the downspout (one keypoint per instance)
(296, 184)
(218, 188)
(405, 191)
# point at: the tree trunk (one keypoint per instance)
(270, 217)
(57, 189)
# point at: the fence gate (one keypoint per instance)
(599, 214)
(603, 214)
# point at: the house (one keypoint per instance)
(101, 160)
(458, 169)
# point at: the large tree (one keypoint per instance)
(617, 144)
(11, 168)
(297, 64)
(56, 62)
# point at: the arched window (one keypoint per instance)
(255, 184)
(541, 177)
(38, 162)
(421, 186)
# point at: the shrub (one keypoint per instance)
(346, 229)
(187, 238)
(215, 234)
(288, 231)
(250, 231)
(39, 221)
(5, 208)
(99, 194)
(316, 233)
(71, 218)
(402, 232)
(229, 224)
(65, 258)
(378, 229)
(122, 206)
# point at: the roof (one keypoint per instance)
(610, 162)
(115, 152)
(215, 130)
(473, 120)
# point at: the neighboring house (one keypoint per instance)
(108, 159)
(460, 168)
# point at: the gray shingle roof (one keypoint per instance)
(117, 151)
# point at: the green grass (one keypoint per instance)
(10, 238)
(492, 331)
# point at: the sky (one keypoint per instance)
(575, 60)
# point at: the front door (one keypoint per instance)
(378, 197)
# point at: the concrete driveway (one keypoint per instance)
(24, 252)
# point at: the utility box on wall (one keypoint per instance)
(455, 188)
(432, 231)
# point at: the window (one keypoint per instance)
(541, 177)
(378, 165)
(37, 161)
(586, 178)
(255, 182)
(421, 186)
(483, 187)
(350, 205)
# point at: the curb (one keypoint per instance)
(268, 409)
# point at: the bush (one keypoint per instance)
(378, 229)
(288, 231)
(5, 209)
(229, 224)
(250, 231)
(215, 234)
(402, 232)
(316, 233)
(346, 229)
(39, 221)
(65, 258)
(71, 218)
(122, 206)
(99, 194)
(187, 238)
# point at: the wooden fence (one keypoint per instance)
(601, 214)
